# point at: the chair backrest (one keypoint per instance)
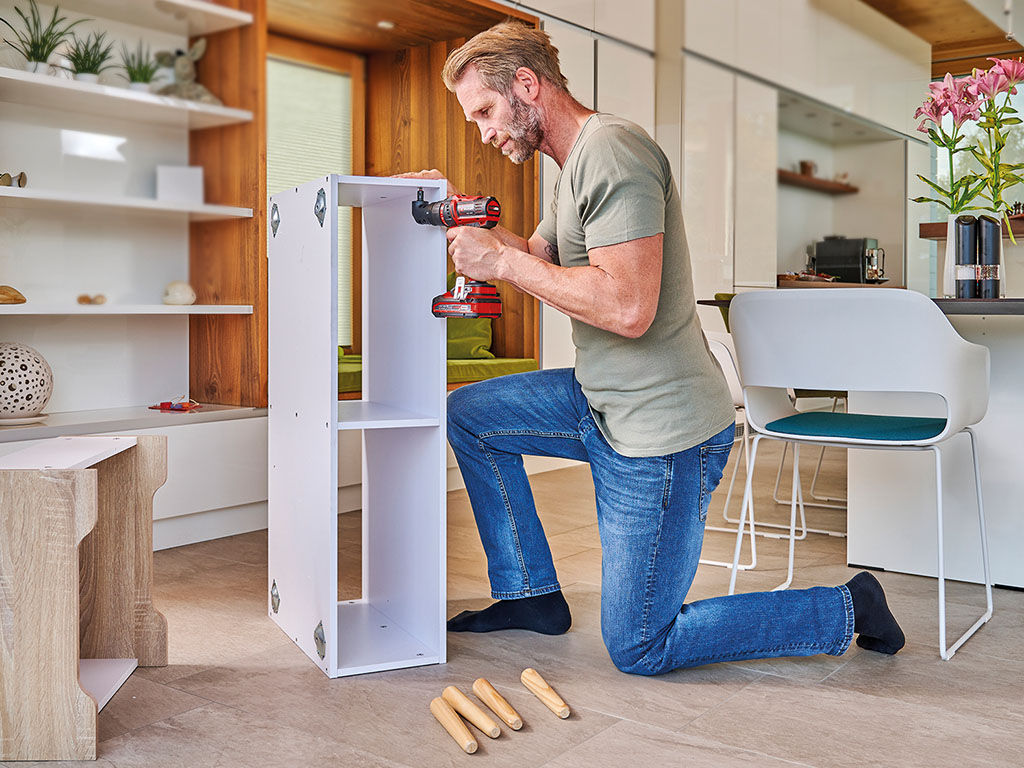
(720, 345)
(857, 339)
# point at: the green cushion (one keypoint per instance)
(468, 337)
(350, 370)
(858, 426)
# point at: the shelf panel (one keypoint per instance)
(368, 641)
(42, 199)
(936, 230)
(31, 308)
(186, 17)
(360, 414)
(818, 185)
(121, 420)
(101, 678)
(110, 101)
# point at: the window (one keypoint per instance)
(313, 128)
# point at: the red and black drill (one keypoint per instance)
(469, 298)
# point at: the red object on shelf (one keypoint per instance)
(176, 405)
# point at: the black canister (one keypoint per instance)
(990, 240)
(966, 257)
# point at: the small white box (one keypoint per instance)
(180, 183)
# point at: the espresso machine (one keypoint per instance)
(851, 259)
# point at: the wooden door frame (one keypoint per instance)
(325, 57)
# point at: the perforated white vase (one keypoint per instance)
(26, 381)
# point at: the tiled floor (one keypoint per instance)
(237, 692)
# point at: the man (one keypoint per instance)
(646, 404)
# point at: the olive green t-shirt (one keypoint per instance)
(663, 392)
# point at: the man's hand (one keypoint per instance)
(431, 175)
(476, 252)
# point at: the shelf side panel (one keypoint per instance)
(403, 343)
(404, 522)
(302, 419)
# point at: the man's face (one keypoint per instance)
(512, 125)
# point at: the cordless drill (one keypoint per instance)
(469, 298)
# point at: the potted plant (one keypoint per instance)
(38, 42)
(89, 57)
(139, 66)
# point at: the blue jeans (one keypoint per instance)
(650, 513)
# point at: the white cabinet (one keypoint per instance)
(580, 12)
(754, 245)
(630, 21)
(399, 621)
(625, 83)
(708, 182)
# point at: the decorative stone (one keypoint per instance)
(10, 295)
(26, 381)
(179, 293)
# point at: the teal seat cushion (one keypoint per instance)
(858, 426)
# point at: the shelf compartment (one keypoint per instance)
(792, 179)
(186, 17)
(368, 641)
(30, 308)
(45, 199)
(50, 92)
(362, 414)
(102, 678)
(121, 420)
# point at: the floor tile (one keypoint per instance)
(141, 702)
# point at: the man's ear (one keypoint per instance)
(526, 84)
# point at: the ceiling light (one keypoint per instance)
(385, 24)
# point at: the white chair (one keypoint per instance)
(867, 340)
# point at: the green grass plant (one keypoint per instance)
(90, 56)
(37, 41)
(139, 65)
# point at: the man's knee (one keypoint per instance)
(630, 655)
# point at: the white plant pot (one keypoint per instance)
(87, 77)
(143, 87)
(37, 67)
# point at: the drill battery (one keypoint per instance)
(469, 298)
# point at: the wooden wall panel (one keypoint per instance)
(414, 123)
(228, 263)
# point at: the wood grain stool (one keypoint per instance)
(76, 572)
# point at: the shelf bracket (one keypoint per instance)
(320, 208)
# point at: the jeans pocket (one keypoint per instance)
(713, 459)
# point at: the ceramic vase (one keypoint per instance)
(37, 67)
(87, 77)
(141, 87)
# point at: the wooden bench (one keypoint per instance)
(76, 572)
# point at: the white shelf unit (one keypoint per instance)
(30, 308)
(41, 90)
(400, 619)
(190, 18)
(50, 200)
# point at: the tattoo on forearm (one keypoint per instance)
(552, 252)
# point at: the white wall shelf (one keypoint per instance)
(187, 17)
(400, 620)
(31, 308)
(15, 197)
(61, 93)
(121, 420)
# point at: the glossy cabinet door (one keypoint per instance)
(632, 21)
(579, 12)
(708, 180)
(625, 83)
(757, 139)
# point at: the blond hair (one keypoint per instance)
(499, 52)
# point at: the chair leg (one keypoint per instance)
(817, 469)
(728, 497)
(798, 499)
(818, 505)
(944, 652)
(747, 491)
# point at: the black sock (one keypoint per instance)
(874, 624)
(547, 614)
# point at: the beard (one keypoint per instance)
(524, 134)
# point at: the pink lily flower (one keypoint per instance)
(1012, 69)
(932, 111)
(990, 84)
(963, 111)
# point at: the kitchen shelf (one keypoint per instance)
(16, 197)
(32, 308)
(121, 420)
(362, 414)
(936, 230)
(186, 17)
(812, 182)
(47, 91)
